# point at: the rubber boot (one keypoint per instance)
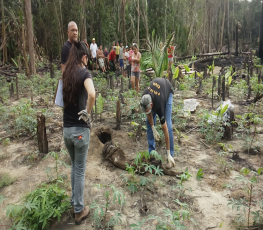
(79, 217)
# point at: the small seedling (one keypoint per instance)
(199, 174)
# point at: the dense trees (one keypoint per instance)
(199, 25)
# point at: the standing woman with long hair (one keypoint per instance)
(78, 88)
(135, 68)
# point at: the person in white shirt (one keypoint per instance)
(128, 66)
(93, 52)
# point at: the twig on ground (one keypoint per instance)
(29, 137)
(192, 129)
(210, 227)
(204, 144)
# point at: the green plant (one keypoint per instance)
(6, 179)
(101, 210)
(156, 56)
(38, 208)
(171, 220)
(212, 131)
(199, 174)
(58, 162)
(142, 166)
(6, 141)
(99, 105)
(248, 125)
(243, 206)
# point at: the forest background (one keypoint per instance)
(200, 25)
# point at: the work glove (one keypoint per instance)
(84, 115)
(155, 134)
(170, 159)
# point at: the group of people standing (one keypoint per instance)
(79, 98)
(127, 60)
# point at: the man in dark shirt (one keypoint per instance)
(72, 37)
(158, 99)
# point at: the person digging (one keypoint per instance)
(157, 98)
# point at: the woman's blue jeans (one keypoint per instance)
(168, 119)
(77, 142)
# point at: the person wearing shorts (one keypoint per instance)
(170, 51)
(100, 57)
(135, 68)
(93, 52)
(117, 51)
(121, 58)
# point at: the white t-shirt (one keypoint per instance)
(94, 48)
(127, 58)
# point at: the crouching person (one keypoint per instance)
(158, 99)
(78, 88)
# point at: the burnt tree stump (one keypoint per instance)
(17, 92)
(118, 115)
(41, 134)
(111, 82)
(219, 87)
(223, 88)
(213, 86)
(229, 129)
(12, 90)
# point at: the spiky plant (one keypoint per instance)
(156, 55)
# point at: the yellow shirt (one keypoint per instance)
(117, 50)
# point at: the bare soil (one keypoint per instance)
(207, 198)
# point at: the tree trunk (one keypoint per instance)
(123, 22)
(92, 18)
(237, 39)
(30, 36)
(260, 51)
(138, 23)
(165, 19)
(41, 134)
(3, 33)
(82, 20)
(228, 33)
(223, 25)
(118, 115)
(24, 51)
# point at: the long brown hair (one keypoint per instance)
(71, 82)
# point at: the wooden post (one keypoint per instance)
(12, 89)
(122, 84)
(259, 76)
(130, 82)
(223, 89)
(51, 70)
(17, 91)
(213, 86)
(219, 86)
(205, 73)
(245, 63)
(237, 39)
(108, 80)
(41, 134)
(118, 115)
(249, 87)
(111, 82)
(229, 129)
(227, 90)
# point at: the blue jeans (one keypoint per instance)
(77, 142)
(168, 119)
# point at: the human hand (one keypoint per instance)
(170, 159)
(155, 134)
(84, 115)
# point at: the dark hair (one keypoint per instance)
(135, 45)
(71, 83)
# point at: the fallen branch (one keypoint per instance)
(192, 129)
(204, 144)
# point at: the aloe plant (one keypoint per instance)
(156, 56)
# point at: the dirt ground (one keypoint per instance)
(207, 198)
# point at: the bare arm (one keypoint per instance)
(166, 136)
(136, 59)
(150, 119)
(88, 83)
